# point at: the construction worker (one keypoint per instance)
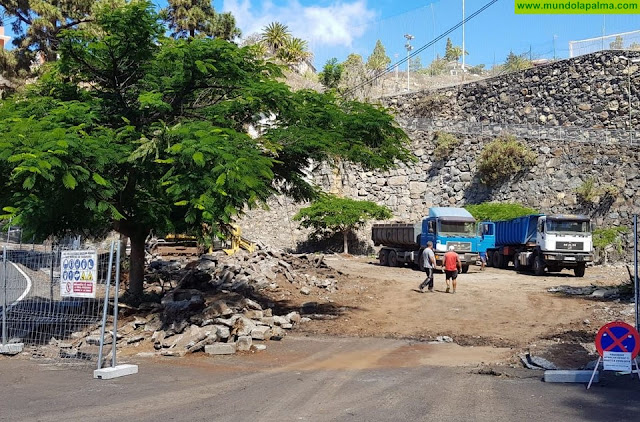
(452, 265)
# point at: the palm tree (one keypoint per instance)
(293, 51)
(275, 35)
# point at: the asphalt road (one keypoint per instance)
(307, 379)
(16, 284)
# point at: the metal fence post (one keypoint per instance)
(106, 306)
(635, 266)
(115, 307)
(4, 295)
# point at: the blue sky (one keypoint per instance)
(335, 28)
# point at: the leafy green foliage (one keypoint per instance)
(503, 158)
(453, 53)
(446, 144)
(437, 67)
(603, 237)
(330, 214)
(497, 211)
(331, 73)
(281, 45)
(134, 131)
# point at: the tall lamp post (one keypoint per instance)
(409, 47)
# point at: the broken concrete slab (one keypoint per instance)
(220, 349)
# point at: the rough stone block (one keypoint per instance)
(261, 332)
(220, 349)
(244, 343)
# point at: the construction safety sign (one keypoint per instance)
(78, 273)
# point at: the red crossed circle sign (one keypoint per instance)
(618, 336)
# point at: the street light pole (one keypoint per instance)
(462, 40)
(409, 47)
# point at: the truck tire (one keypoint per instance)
(384, 257)
(465, 268)
(393, 259)
(579, 270)
(516, 263)
(538, 265)
(497, 259)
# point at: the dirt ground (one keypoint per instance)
(497, 308)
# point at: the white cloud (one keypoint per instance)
(338, 24)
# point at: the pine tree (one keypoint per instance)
(378, 60)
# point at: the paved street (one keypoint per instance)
(16, 284)
(308, 379)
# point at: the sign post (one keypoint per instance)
(618, 344)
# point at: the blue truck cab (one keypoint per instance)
(447, 226)
(403, 243)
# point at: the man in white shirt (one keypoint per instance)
(429, 262)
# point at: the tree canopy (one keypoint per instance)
(188, 18)
(133, 131)
(378, 60)
(330, 214)
(331, 74)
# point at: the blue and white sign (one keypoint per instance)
(79, 273)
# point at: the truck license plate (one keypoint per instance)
(570, 258)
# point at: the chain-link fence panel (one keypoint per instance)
(41, 310)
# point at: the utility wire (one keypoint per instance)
(391, 67)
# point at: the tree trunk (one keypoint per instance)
(345, 238)
(136, 267)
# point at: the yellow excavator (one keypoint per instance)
(182, 244)
(236, 241)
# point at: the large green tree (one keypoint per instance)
(133, 131)
(188, 18)
(331, 73)
(330, 214)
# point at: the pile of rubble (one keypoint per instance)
(220, 304)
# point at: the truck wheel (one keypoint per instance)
(496, 259)
(516, 263)
(538, 266)
(393, 259)
(465, 269)
(579, 270)
(384, 257)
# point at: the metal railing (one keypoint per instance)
(525, 131)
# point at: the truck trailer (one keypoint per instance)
(539, 242)
(403, 243)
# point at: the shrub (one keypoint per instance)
(496, 211)
(604, 237)
(502, 158)
(589, 191)
(446, 143)
(428, 105)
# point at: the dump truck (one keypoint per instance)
(403, 243)
(539, 242)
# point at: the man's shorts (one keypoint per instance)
(483, 256)
(451, 274)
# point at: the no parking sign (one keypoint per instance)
(618, 344)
